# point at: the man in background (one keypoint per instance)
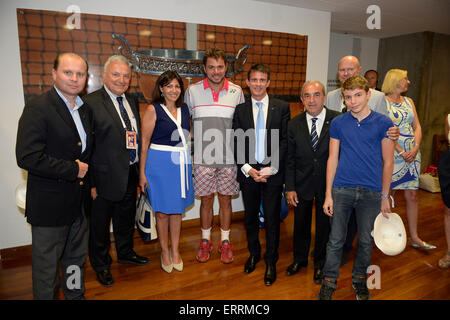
(372, 79)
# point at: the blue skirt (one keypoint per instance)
(164, 179)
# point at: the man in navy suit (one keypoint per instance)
(114, 169)
(54, 140)
(308, 144)
(260, 156)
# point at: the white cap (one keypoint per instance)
(21, 192)
(389, 234)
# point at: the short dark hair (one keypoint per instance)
(60, 55)
(371, 70)
(216, 53)
(260, 68)
(311, 82)
(163, 80)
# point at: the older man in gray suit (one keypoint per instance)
(349, 67)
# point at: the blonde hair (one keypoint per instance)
(391, 80)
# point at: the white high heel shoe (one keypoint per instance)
(177, 266)
(168, 268)
(424, 245)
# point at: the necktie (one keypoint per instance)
(259, 152)
(127, 122)
(314, 137)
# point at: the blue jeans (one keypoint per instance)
(367, 205)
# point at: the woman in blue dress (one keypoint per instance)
(407, 154)
(165, 166)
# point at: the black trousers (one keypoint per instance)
(122, 213)
(351, 233)
(302, 232)
(444, 177)
(52, 247)
(252, 193)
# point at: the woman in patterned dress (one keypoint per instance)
(407, 154)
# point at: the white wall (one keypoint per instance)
(341, 45)
(14, 231)
(369, 54)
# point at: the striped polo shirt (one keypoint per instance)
(212, 115)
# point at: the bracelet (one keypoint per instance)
(384, 195)
(400, 153)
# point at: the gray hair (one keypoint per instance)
(115, 58)
(313, 81)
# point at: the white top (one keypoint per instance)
(265, 107)
(212, 121)
(265, 101)
(319, 122)
(127, 108)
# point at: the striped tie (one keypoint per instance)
(314, 137)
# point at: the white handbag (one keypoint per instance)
(145, 218)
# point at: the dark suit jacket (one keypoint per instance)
(47, 146)
(306, 169)
(278, 115)
(110, 162)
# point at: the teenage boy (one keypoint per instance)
(359, 171)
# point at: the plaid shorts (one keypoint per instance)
(209, 180)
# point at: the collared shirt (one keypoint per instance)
(76, 117)
(215, 95)
(127, 109)
(360, 150)
(265, 107)
(212, 120)
(319, 122)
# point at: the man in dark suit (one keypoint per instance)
(308, 143)
(114, 169)
(260, 127)
(54, 141)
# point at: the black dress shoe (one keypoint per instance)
(134, 259)
(271, 274)
(105, 278)
(318, 276)
(293, 269)
(250, 265)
